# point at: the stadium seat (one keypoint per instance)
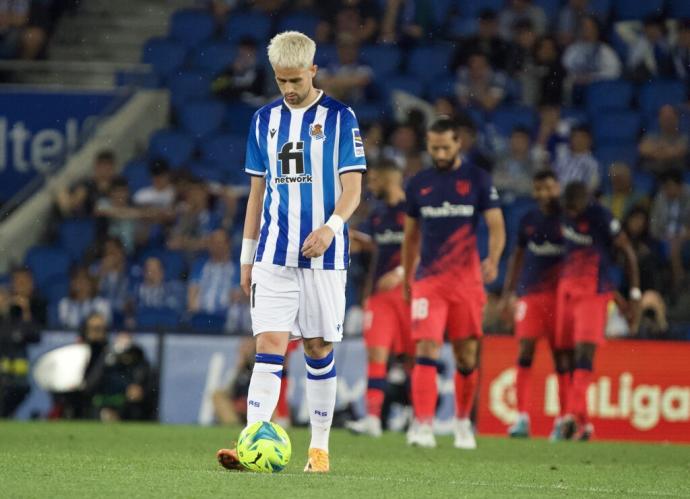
(441, 10)
(507, 118)
(442, 87)
(611, 94)
(174, 262)
(56, 289)
(156, 318)
(224, 149)
(141, 79)
(616, 127)
(609, 154)
(385, 59)
(299, 21)
(248, 25)
(137, 174)
(208, 323)
(188, 85)
(427, 63)
(370, 112)
(192, 26)
(600, 8)
(166, 56)
(644, 182)
(655, 94)
(173, 146)
(471, 8)
(48, 265)
(624, 10)
(213, 57)
(326, 54)
(550, 8)
(408, 84)
(209, 172)
(76, 235)
(238, 116)
(679, 9)
(201, 118)
(462, 27)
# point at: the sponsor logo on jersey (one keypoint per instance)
(357, 143)
(572, 235)
(463, 187)
(389, 237)
(545, 249)
(425, 191)
(316, 131)
(447, 210)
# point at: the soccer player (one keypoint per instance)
(387, 314)
(444, 204)
(306, 158)
(533, 272)
(591, 236)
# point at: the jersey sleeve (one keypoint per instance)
(488, 195)
(351, 148)
(522, 238)
(254, 164)
(411, 205)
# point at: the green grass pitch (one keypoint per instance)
(139, 460)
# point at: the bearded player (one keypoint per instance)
(306, 158)
(444, 204)
(585, 289)
(533, 273)
(387, 314)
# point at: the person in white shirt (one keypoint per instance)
(161, 192)
(577, 163)
(589, 59)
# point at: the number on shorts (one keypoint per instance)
(520, 310)
(253, 298)
(420, 308)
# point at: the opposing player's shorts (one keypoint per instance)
(305, 302)
(581, 316)
(436, 310)
(535, 317)
(387, 322)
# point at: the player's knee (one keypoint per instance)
(317, 348)
(377, 355)
(272, 343)
(466, 361)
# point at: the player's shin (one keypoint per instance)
(523, 381)
(582, 377)
(321, 390)
(376, 388)
(264, 387)
(466, 381)
(424, 389)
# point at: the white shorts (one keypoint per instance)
(305, 302)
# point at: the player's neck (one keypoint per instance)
(395, 196)
(313, 95)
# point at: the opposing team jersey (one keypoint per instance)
(385, 226)
(301, 153)
(448, 205)
(539, 234)
(589, 249)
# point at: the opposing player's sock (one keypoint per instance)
(577, 403)
(376, 388)
(283, 408)
(321, 390)
(465, 390)
(523, 387)
(424, 389)
(264, 387)
(564, 381)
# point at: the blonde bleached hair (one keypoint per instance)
(291, 50)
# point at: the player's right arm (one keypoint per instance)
(510, 284)
(250, 236)
(410, 253)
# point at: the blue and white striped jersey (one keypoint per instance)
(301, 153)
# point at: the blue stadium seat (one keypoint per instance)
(442, 87)
(155, 318)
(300, 21)
(326, 54)
(550, 8)
(56, 289)
(174, 262)
(238, 116)
(174, 146)
(644, 182)
(441, 10)
(471, 8)
(679, 9)
(655, 94)
(224, 149)
(208, 323)
(385, 59)
(461, 27)
(633, 9)
(214, 57)
(370, 112)
(76, 235)
(611, 153)
(507, 118)
(142, 79)
(48, 265)
(166, 56)
(611, 94)
(248, 24)
(202, 117)
(192, 26)
(600, 8)
(188, 85)
(407, 84)
(209, 172)
(137, 174)
(426, 63)
(616, 127)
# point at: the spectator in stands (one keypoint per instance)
(570, 19)
(81, 198)
(521, 53)
(406, 21)
(647, 248)
(670, 220)
(623, 197)
(120, 217)
(589, 59)
(112, 276)
(487, 41)
(195, 221)
(82, 301)
(469, 147)
(161, 193)
(546, 84)
(681, 52)
(19, 39)
(374, 142)
(666, 149)
(514, 171)
(245, 78)
(155, 291)
(552, 135)
(358, 18)
(347, 78)
(521, 10)
(214, 281)
(577, 163)
(649, 49)
(403, 145)
(24, 300)
(479, 85)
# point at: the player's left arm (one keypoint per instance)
(497, 242)
(622, 243)
(319, 240)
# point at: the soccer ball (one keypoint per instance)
(264, 447)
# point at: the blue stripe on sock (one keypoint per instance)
(319, 363)
(426, 361)
(329, 374)
(269, 358)
(376, 384)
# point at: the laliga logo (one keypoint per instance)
(643, 405)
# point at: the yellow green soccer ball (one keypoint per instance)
(264, 447)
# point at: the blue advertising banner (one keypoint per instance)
(37, 127)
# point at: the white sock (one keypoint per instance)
(321, 389)
(264, 387)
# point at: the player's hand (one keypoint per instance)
(317, 242)
(407, 291)
(246, 278)
(489, 270)
(389, 280)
